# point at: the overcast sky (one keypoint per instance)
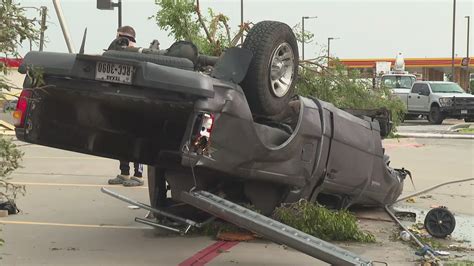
(367, 29)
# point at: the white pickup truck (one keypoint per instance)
(438, 100)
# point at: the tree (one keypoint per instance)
(346, 88)
(185, 21)
(15, 27)
(342, 87)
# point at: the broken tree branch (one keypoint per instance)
(201, 21)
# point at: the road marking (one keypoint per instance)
(67, 157)
(209, 253)
(73, 185)
(73, 225)
(403, 145)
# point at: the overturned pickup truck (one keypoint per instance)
(231, 125)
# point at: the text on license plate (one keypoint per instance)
(118, 73)
(463, 112)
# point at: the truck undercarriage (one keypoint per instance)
(211, 132)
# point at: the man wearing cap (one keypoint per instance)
(124, 178)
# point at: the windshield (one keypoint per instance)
(404, 82)
(446, 88)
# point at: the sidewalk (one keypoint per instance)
(422, 129)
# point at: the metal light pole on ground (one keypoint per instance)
(302, 34)
(454, 34)
(329, 47)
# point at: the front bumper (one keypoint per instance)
(458, 111)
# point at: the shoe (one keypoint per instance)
(133, 182)
(120, 179)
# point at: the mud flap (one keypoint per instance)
(271, 229)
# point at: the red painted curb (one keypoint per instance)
(209, 253)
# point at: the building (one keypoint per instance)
(423, 68)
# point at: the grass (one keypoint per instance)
(323, 223)
(467, 130)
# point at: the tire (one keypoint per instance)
(272, 44)
(156, 187)
(176, 62)
(435, 116)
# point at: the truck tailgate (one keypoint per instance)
(140, 121)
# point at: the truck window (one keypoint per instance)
(446, 88)
(425, 89)
(416, 88)
(404, 82)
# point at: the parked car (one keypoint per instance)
(215, 131)
(438, 100)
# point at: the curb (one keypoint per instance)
(435, 135)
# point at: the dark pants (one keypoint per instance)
(125, 169)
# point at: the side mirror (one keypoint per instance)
(424, 93)
(105, 5)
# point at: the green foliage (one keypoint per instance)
(320, 222)
(184, 22)
(308, 36)
(10, 158)
(179, 19)
(345, 89)
(15, 27)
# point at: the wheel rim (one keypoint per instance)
(439, 222)
(282, 67)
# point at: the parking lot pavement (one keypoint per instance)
(66, 220)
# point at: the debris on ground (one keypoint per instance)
(236, 236)
(426, 197)
(410, 200)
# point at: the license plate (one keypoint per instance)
(111, 72)
(463, 112)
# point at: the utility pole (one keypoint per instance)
(119, 5)
(109, 5)
(242, 20)
(467, 52)
(64, 28)
(454, 34)
(302, 34)
(44, 12)
(329, 47)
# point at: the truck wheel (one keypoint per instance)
(156, 187)
(435, 116)
(270, 80)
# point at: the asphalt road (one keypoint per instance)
(66, 220)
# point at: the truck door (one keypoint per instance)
(423, 98)
(413, 96)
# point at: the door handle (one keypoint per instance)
(418, 97)
(409, 96)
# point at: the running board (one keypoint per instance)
(271, 229)
(188, 223)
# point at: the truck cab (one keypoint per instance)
(398, 82)
(438, 100)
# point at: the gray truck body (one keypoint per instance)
(316, 152)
